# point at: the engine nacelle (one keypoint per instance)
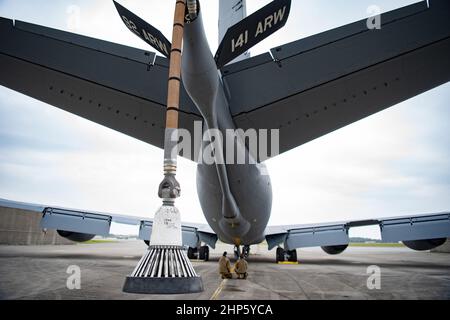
(423, 245)
(333, 250)
(75, 236)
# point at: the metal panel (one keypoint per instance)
(190, 237)
(301, 69)
(145, 230)
(328, 37)
(189, 234)
(415, 228)
(229, 50)
(209, 238)
(109, 84)
(22, 205)
(137, 55)
(246, 64)
(314, 92)
(274, 240)
(316, 237)
(76, 221)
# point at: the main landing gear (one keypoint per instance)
(286, 255)
(200, 253)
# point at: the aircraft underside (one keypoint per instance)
(304, 89)
(236, 198)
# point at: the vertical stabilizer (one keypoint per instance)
(230, 13)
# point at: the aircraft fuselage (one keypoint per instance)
(236, 199)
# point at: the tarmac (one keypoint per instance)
(41, 272)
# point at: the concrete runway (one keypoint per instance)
(39, 272)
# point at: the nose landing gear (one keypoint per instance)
(245, 252)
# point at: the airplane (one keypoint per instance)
(302, 90)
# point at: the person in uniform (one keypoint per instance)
(241, 268)
(225, 267)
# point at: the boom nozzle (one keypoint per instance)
(192, 7)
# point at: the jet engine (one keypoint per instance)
(423, 245)
(75, 236)
(335, 249)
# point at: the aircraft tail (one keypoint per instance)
(231, 12)
(144, 30)
(248, 32)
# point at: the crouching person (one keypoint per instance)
(225, 267)
(241, 268)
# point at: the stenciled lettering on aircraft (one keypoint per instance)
(263, 26)
(151, 39)
(130, 25)
(155, 41)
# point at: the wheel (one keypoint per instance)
(206, 253)
(246, 251)
(292, 255)
(280, 255)
(192, 253)
(237, 253)
(203, 253)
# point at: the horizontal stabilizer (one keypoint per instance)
(144, 30)
(252, 30)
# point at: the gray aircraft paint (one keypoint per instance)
(230, 13)
(261, 94)
(236, 199)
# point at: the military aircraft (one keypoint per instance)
(298, 91)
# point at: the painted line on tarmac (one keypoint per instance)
(219, 290)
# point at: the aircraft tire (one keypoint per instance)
(292, 255)
(204, 253)
(280, 255)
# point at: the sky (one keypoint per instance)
(393, 163)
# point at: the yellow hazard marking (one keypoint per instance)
(289, 262)
(219, 290)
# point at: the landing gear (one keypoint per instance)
(286, 255)
(280, 257)
(192, 253)
(246, 251)
(237, 252)
(292, 255)
(201, 253)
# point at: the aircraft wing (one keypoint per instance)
(119, 87)
(99, 223)
(393, 229)
(311, 87)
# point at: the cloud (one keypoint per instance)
(391, 163)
